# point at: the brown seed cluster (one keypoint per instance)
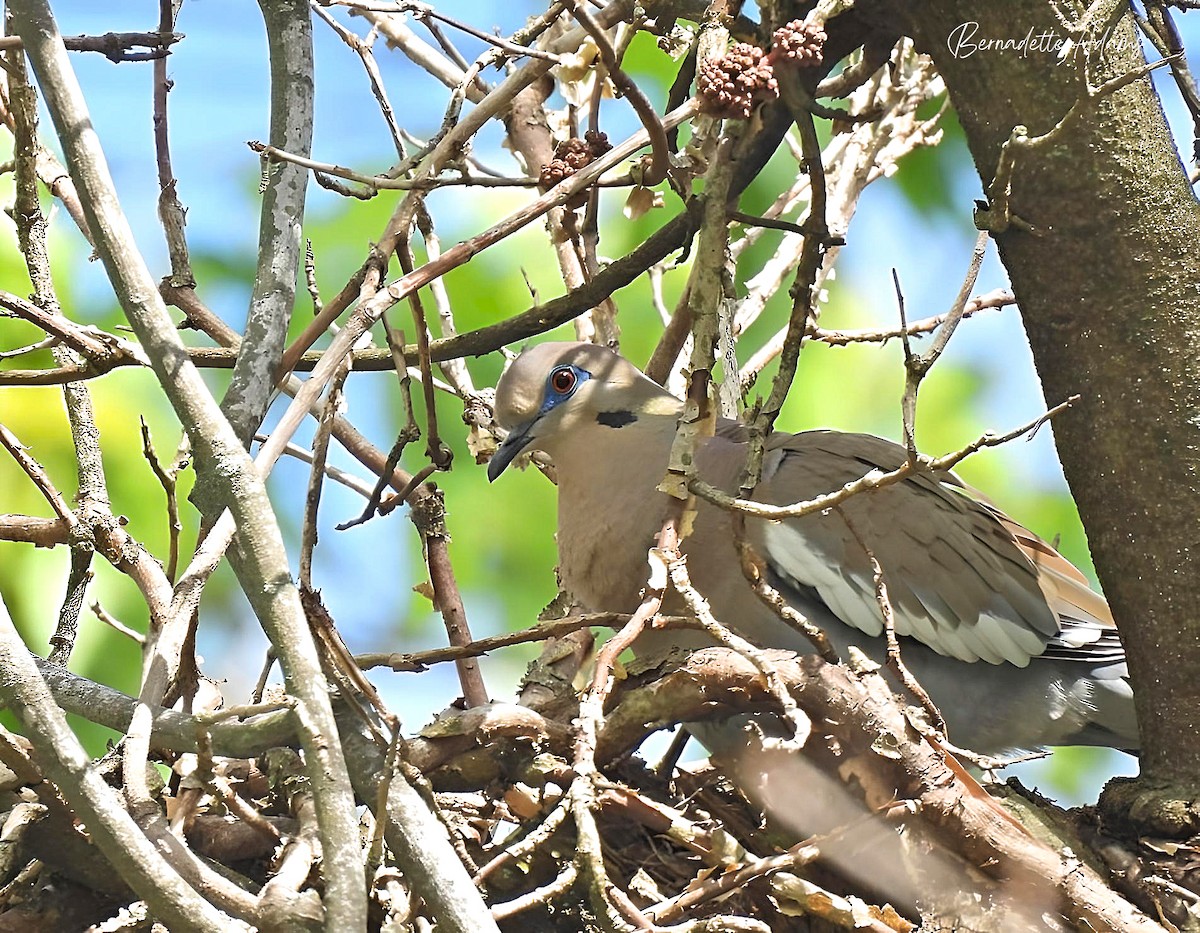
(799, 43)
(571, 155)
(732, 85)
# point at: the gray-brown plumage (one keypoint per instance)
(1002, 631)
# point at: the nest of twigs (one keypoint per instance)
(557, 840)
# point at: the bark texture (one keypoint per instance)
(1109, 286)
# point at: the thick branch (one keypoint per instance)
(1109, 296)
(65, 762)
(289, 37)
(274, 598)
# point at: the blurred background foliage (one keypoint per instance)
(918, 222)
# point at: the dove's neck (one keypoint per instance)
(609, 509)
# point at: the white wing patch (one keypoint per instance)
(934, 614)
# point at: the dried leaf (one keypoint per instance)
(675, 485)
(658, 569)
(641, 201)
(687, 522)
(425, 588)
(644, 886)
(481, 444)
(523, 800)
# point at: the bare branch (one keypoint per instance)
(252, 385)
(37, 476)
(171, 213)
(429, 517)
(66, 763)
(876, 479)
(277, 607)
(115, 46)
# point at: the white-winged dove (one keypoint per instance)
(1002, 631)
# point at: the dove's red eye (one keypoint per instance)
(563, 379)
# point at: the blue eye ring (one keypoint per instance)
(562, 383)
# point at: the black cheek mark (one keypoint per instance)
(616, 419)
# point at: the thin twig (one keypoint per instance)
(797, 721)
(895, 661)
(527, 846)
(771, 223)
(756, 572)
(376, 849)
(418, 660)
(316, 476)
(659, 148)
(310, 277)
(438, 65)
(97, 347)
(446, 45)
(917, 367)
(167, 479)
(363, 48)
(374, 495)
(455, 370)
(581, 794)
(336, 474)
(428, 514)
(422, 11)
(998, 298)
(541, 895)
(171, 213)
(875, 479)
(439, 454)
(116, 624)
(387, 183)
(734, 878)
(44, 344)
(37, 475)
(339, 663)
(816, 237)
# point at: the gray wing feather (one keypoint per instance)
(956, 577)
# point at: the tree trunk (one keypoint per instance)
(1108, 282)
